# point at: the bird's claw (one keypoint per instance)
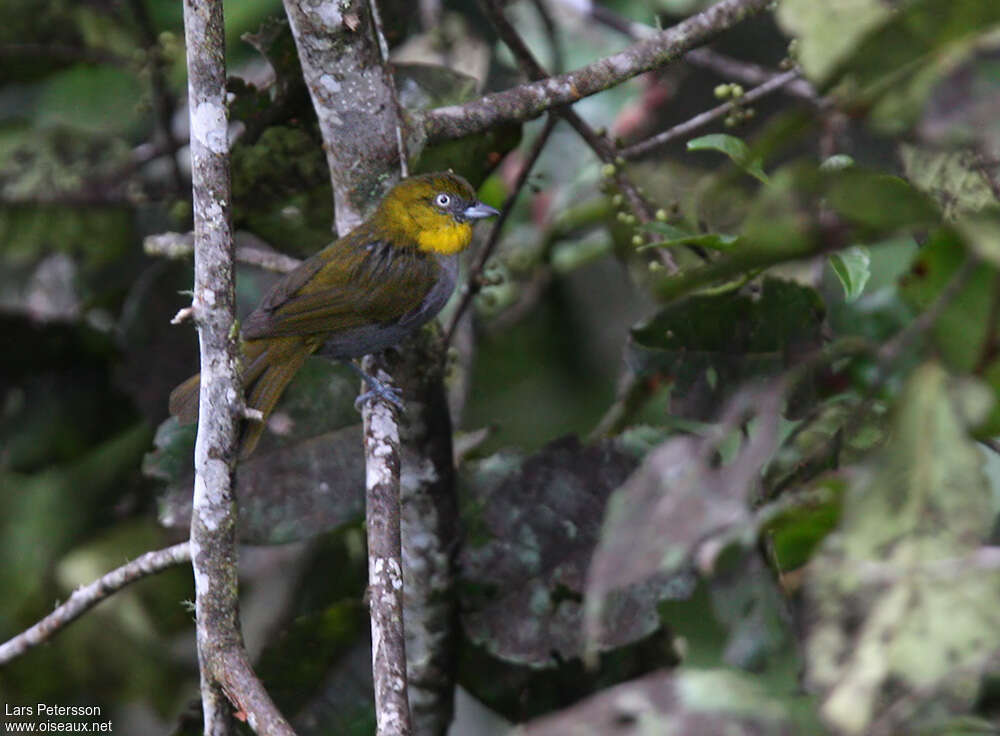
(377, 390)
(382, 391)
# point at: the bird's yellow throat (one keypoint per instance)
(446, 240)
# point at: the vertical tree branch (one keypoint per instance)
(385, 569)
(359, 120)
(342, 66)
(225, 670)
(429, 524)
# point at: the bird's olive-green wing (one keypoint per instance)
(346, 285)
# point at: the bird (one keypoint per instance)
(363, 293)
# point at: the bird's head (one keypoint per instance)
(434, 211)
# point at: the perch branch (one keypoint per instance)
(385, 569)
(336, 41)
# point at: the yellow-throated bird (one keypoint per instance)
(361, 294)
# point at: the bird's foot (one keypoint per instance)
(377, 390)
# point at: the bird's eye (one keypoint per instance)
(442, 200)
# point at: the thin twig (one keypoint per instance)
(895, 347)
(164, 104)
(474, 283)
(551, 33)
(748, 73)
(87, 596)
(604, 149)
(250, 249)
(224, 666)
(689, 126)
(530, 100)
(886, 356)
(404, 166)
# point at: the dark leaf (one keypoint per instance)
(534, 522)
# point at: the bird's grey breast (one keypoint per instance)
(371, 338)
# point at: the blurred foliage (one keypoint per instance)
(787, 378)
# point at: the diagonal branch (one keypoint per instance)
(474, 282)
(689, 126)
(722, 65)
(87, 596)
(604, 149)
(530, 100)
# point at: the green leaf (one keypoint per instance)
(95, 99)
(852, 267)
(960, 331)
(880, 202)
(895, 614)
(737, 336)
(677, 237)
(828, 33)
(733, 147)
(796, 532)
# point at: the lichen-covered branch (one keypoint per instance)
(429, 529)
(357, 113)
(87, 596)
(225, 670)
(725, 66)
(530, 100)
(361, 128)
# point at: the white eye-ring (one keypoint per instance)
(442, 200)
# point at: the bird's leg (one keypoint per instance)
(376, 389)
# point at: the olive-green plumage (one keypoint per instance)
(360, 294)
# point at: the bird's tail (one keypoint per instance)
(269, 365)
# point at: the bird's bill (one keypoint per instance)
(479, 210)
